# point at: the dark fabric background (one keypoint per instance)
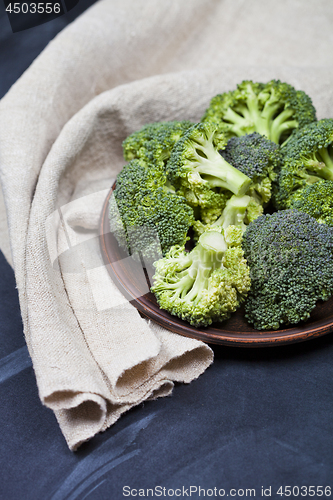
(258, 418)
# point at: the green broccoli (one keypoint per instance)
(145, 215)
(307, 158)
(199, 172)
(290, 256)
(206, 284)
(317, 201)
(258, 158)
(154, 142)
(239, 211)
(273, 109)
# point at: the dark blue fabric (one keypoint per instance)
(257, 417)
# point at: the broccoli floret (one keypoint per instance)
(291, 267)
(207, 284)
(154, 142)
(145, 215)
(273, 109)
(317, 201)
(258, 158)
(208, 215)
(239, 211)
(308, 158)
(198, 170)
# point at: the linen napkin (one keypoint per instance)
(62, 125)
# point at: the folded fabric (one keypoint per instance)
(62, 127)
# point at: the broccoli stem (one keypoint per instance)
(281, 124)
(214, 169)
(311, 179)
(206, 256)
(197, 267)
(181, 287)
(252, 102)
(168, 187)
(284, 127)
(238, 122)
(323, 152)
(321, 164)
(249, 118)
(200, 283)
(234, 212)
(212, 242)
(270, 109)
(246, 120)
(244, 111)
(194, 270)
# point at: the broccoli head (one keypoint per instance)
(317, 201)
(273, 109)
(154, 142)
(307, 158)
(199, 172)
(290, 256)
(206, 284)
(145, 215)
(258, 158)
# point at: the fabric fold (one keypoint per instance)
(88, 356)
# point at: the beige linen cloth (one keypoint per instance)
(122, 64)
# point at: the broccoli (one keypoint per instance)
(209, 214)
(307, 158)
(317, 201)
(199, 172)
(154, 142)
(206, 284)
(145, 215)
(239, 211)
(273, 109)
(290, 256)
(258, 158)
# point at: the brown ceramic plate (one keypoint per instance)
(133, 282)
